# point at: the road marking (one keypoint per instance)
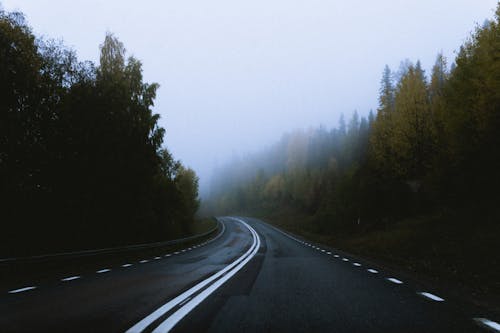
(177, 252)
(336, 255)
(345, 259)
(171, 321)
(167, 255)
(394, 280)
(105, 270)
(20, 290)
(157, 258)
(488, 323)
(71, 278)
(328, 253)
(323, 251)
(431, 296)
(126, 265)
(143, 261)
(371, 270)
(357, 264)
(184, 301)
(213, 282)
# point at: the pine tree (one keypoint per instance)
(382, 126)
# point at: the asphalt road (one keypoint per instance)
(251, 278)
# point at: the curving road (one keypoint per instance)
(250, 278)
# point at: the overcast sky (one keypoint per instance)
(236, 74)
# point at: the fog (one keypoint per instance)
(235, 75)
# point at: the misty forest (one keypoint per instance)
(83, 162)
(81, 157)
(418, 177)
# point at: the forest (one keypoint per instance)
(431, 145)
(82, 163)
(424, 166)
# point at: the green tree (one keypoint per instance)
(412, 143)
(383, 127)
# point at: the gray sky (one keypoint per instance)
(235, 75)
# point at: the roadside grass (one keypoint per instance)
(463, 258)
(202, 225)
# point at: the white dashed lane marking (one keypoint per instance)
(105, 270)
(431, 296)
(488, 323)
(20, 290)
(394, 280)
(484, 322)
(70, 278)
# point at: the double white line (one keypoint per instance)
(191, 298)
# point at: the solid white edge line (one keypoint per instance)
(71, 278)
(173, 319)
(488, 323)
(430, 296)
(394, 280)
(145, 322)
(20, 290)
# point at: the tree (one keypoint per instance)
(187, 184)
(81, 162)
(383, 124)
(413, 141)
(112, 59)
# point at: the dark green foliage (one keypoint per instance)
(81, 163)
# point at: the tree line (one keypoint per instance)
(431, 148)
(81, 157)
